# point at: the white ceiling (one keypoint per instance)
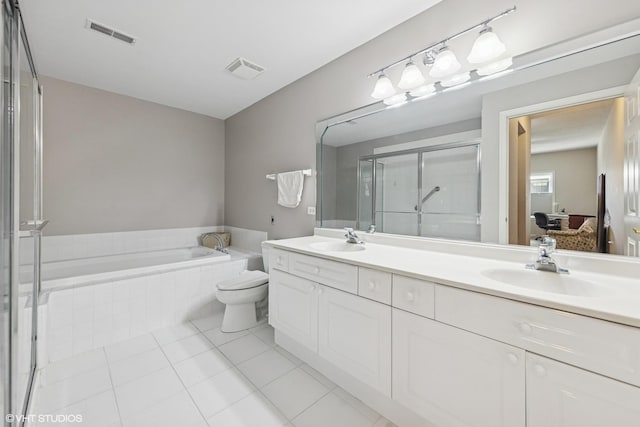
(182, 48)
(569, 128)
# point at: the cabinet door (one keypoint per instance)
(293, 307)
(455, 378)
(355, 335)
(560, 395)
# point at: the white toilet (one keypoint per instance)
(241, 295)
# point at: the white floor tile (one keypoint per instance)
(78, 364)
(383, 422)
(138, 395)
(294, 392)
(252, 411)
(177, 410)
(220, 391)
(97, 411)
(219, 338)
(266, 367)
(265, 333)
(72, 390)
(175, 333)
(138, 366)
(201, 367)
(357, 404)
(209, 322)
(186, 348)
(318, 376)
(243, 348)
(130, 347)
(332, 411)
(293, 359)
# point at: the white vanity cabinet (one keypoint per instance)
(293, 307)
(355, 334)
(455, 378)
(560, 395)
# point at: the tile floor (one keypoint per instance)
(193, 375)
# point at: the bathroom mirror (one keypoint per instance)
(476, 162)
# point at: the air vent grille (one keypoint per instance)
(110, 32)
(244, 69)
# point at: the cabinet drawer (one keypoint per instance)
(375, 285)
(330, 273)
(279, 260)
(604, 347)
(413, 295)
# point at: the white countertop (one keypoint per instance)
(618, 297)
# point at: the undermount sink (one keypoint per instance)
(337, 247)
(547, 282)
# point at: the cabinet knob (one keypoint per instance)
(410, 296)
(319, 290)
(279, 259)
(539, 370)
(372, 285)
(525, 328)
(316, 270)
(512, 358)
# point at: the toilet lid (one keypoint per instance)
(246, 280)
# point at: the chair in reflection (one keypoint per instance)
(542, 221)
(581, 239)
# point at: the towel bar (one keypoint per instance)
(305, 172)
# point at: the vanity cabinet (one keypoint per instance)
(355, 334)
(455, 378)
(560, 395)
(293, 307)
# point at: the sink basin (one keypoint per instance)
(544, 281)
(337, 247)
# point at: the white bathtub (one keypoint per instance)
(100, 269)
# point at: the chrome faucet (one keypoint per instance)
(372, 229)
(351, 236)
(545, 262)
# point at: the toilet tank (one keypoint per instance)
(265, 257)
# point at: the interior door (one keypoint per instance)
(632, 168)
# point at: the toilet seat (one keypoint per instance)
(246, 280)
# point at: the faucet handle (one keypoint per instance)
(549, 243)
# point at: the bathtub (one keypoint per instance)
(69, 273)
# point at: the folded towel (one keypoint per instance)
(290, 188)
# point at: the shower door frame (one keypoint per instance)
(419, 151)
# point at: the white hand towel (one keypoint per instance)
(290, 188)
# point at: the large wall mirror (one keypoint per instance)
(550, 147)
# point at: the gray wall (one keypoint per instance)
(576, 177)
(115, 163)
(278, 132)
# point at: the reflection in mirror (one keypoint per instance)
(443, 167)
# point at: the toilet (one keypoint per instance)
(242, 295)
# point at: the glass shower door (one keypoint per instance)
(396, 194)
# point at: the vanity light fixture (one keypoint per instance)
(395, 100)
(411, 76)
(383, 88)
(444, 63)
(423, 91)
(487, 47)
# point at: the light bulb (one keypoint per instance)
(423, 90)
(456, 80)
(383, 88)
(444, 64)
(495, 67)
(396, 100)
(411, 77)
(486, 47)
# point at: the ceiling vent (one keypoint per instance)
(110, 32)
(244, 69)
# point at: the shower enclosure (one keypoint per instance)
(21, 215)
(430, 191)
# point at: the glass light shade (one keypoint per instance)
(383, 88)
(444, 64)
(411, 77)
(495, 67)
(398, 99)
(423, 90)
(456, 80)
(487, 47)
